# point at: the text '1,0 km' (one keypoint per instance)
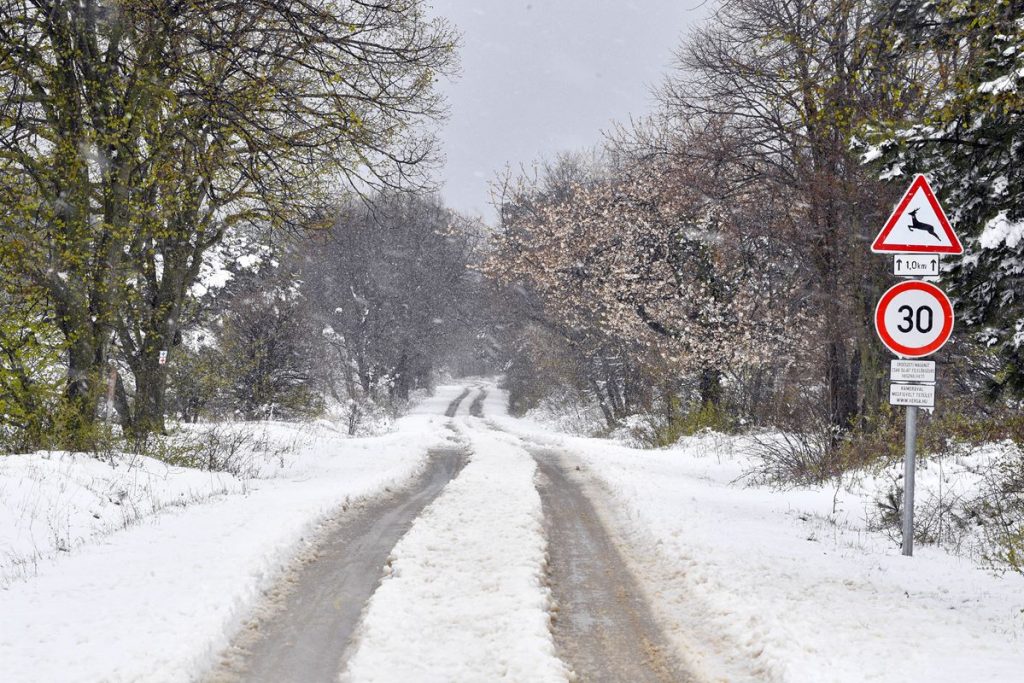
(909, 265)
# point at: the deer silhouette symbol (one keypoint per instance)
(919, 225)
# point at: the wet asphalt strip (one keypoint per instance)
(302, 632)
(453, 407)
(603, 626)
(476, 408)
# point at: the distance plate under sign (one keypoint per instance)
(912, 371)
(905, 265)
(920, 395)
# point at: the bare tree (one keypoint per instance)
(388, 283)
(779, 87)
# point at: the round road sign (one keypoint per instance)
(914, 319)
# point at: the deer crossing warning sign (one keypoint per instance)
(918, 225)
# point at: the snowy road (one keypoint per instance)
(157, 599)
(468, 545)
(482, 610)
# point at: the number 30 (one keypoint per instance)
(922, 319)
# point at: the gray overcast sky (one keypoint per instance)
(543, 76)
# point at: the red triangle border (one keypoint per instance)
(881, 247)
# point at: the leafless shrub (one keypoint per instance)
(944, 518)
(226, 448)
(1002, 507)
(236, 448)
(794, 458)
(985, 524)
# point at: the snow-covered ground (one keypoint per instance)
(791, 586)
(55, 502)
(156, 599)
(470, 577)
(143, 572)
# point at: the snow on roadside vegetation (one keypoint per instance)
(157, 600)
(794, 582)
(565, 411)
(465, 598)
(52, 502)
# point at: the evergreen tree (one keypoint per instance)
(970, 143)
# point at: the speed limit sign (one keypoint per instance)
(914, 319)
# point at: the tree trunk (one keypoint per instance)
(842, 375)
(671, 402)
(151, 386)
(85, 388)
(400, 388)
(121, 404)
(756, 391)
(710, 387)
(356, 391)
(612, 390)
(636, 393)
(82, 393)
(602, 402)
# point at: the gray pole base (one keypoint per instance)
(908, 482)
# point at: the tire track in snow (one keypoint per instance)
(313, 613)
(603, 624)
(476, 408)
(603, 628)
(453, 407)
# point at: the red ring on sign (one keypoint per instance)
(911, 351)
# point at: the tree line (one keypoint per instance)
(175, 227)
(711, 265)
(348, 321)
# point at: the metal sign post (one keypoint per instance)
(908, 481)
(914, 318)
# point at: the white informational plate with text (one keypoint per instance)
(920, 395)
(917, 371)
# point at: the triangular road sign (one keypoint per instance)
(918, 225)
